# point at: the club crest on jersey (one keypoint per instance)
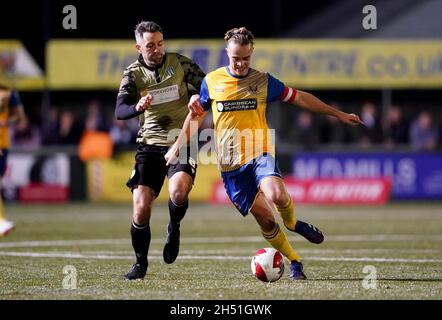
(253, 89)
(236, 105)
(169, 71)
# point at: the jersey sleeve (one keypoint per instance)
(193, 74)
(204, 95)
(127, 97)
(14, 99)
(128, 86)
(276, 90)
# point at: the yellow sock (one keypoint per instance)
(287, 214)
(278, 240)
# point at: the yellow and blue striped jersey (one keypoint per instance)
(238, 106)
(8, 100)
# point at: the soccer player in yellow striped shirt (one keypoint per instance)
(238, 96)
(11, 112)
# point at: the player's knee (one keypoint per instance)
(141, 219)
(179, 195)
(278, 196)
(141, 213)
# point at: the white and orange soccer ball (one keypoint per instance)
(268, 265)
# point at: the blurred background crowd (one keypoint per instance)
(398, 128)
(389, 73)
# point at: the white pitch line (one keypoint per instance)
(204, 240)
(62, 243)
(251, 251)
(196, 257)
(367, 259)
(63, 255)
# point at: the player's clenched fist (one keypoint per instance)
(144, 103)
(195, 106)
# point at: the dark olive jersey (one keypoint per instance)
(168, 84)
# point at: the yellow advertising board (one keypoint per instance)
(88, 64)
(94, 64)
(107, 180)
(18, 70)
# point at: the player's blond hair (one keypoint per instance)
(241, 36)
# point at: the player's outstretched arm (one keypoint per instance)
(310, 102)
(190, 127)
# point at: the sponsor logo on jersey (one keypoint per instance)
(237, 105)
(163, 95)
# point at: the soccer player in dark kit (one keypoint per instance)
(155, 88)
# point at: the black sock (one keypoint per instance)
(140, 242)
(177, 212)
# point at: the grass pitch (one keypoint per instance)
(403, 242)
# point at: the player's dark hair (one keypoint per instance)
(241, 36)
(146, 26)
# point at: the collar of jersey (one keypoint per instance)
(141, 60)
(238, 77)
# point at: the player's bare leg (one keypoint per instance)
(263, 213)
(276, 192)
(143, 198)
(180, 185)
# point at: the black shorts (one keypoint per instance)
(150, 168)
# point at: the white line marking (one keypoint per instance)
(61, 243)
(72, 255)
(367, 259)
(63, 255)
(197, 240)
(303, 251)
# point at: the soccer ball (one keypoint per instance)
(268, 265)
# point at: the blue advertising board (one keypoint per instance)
(414, 176)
